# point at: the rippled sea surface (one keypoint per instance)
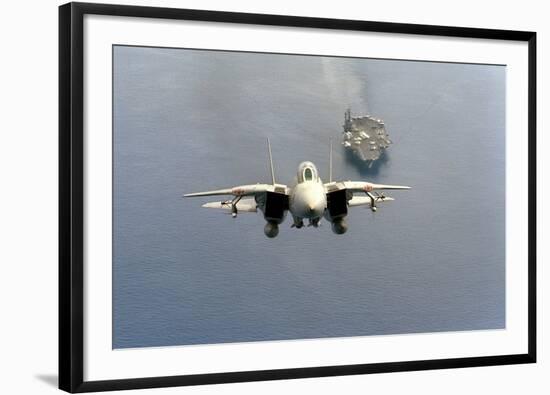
(189, 120)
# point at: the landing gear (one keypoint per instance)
(298, 223)
(271, 229)
(339, 226)
(233, 204)
(314, 222)
(373, 200)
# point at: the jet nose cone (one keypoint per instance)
(314, 209)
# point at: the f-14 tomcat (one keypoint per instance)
(309, 198)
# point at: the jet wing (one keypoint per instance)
(359, 186)
(244, 190)
(341, 195)
(244, 205)
(366, 201)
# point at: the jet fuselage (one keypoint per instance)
(308, 197)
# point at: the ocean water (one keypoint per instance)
(189, 120)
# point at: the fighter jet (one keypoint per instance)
(309, 199)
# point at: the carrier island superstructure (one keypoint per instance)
(365, 136)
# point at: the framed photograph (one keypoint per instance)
(253, 197)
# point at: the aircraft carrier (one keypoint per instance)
(365, 136)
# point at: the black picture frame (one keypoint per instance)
(71, 182)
